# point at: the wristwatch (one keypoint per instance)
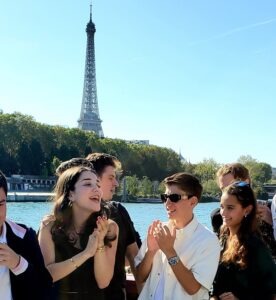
(173, 260)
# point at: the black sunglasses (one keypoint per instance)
(173, 197)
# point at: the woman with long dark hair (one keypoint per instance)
(246, 269)
(78, 241)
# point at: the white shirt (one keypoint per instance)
(5, 283)
(198, 249)
(273, 212)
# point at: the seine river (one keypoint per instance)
(31, 213)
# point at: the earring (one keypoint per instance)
(246, 214)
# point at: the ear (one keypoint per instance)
(248, 209)
(194, 201)
(70, 196)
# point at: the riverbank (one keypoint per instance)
(29, 196)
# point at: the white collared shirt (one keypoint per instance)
(5, 282)
(198, 249)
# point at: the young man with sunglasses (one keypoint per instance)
(179, 258)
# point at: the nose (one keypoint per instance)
(222, 212)
(115, 182)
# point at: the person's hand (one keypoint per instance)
(228, 296)
(264, 213)
(151, 241)
(8, 257)
(92, 244)
(164, 238)
(102, 229)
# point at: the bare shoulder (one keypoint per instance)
(112, 227)
(47, 222)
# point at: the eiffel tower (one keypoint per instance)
(89, 116)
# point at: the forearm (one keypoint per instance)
(184, 276)
(104, 261)
(144, 268)
(131, 252)
(61, 269)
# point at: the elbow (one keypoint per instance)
(192, 290)
(102, 284)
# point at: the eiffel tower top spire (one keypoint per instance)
(89, 116)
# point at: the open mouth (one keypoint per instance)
(95, 199)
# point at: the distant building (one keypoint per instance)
(138, 142)
(31, 183)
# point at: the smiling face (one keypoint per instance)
(181, 212)
(87, 193)
(3, 208)
(108, 182)
(232, 212)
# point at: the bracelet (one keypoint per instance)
(101, 249)
(73, 262)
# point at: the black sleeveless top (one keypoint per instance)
(81, 283)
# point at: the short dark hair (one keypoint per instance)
(73, 162)
(186, 182)
(3, 183)
(102, 160)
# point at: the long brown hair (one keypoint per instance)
(62, 211)
(237, 247)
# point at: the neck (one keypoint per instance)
(179, 224)
(79, 219)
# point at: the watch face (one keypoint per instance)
(173, 260)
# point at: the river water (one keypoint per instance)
(142, 214)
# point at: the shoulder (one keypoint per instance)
(206, 237)
(47, 223)
(112, 227)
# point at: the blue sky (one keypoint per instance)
(196, 76)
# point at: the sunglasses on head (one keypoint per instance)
(241, 183)
(173, 197)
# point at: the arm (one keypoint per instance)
(131, 252)
(30, 276)
(61, 269)
(144, 268)
(104, 259)
(185, 277)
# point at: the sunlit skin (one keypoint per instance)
(86, 197)
(225, 180)
(181, 212)
(232, 212)
(263, 211)
(109, 183)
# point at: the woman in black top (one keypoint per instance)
(246, 270)
(78, 242)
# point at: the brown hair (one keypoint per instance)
(186, 182)
(102, 160)
(239, 171)
(63, 207)
(237, 251)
